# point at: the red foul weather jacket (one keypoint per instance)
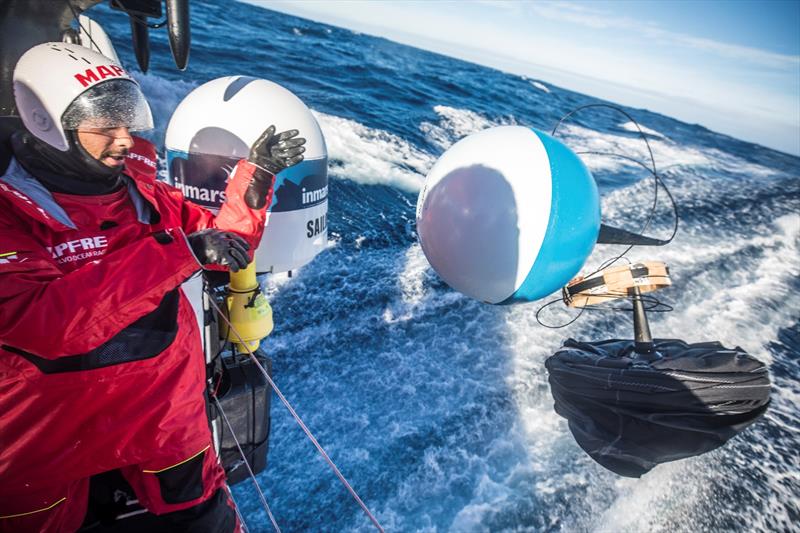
(101, 362)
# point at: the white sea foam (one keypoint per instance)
(541, 86)
(455, 124)
(582, 139)
(667, 153)
(411, 284)
(630, 126)
(372, 156)
(734, 306)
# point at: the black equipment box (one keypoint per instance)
(245, 397)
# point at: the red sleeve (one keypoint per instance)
(52, 314)
(234, 215)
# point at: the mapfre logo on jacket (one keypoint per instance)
(79, 249)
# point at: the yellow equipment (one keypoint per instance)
(248, 311)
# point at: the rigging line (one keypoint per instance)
(247, 464)
(78, 20)
(245, 529)
(299, 420)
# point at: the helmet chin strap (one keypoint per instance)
(75, 171)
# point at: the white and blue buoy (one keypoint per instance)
(508, 215)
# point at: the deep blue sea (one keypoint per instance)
(437, 407)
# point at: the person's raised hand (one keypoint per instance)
(271, 153)
(275, 152)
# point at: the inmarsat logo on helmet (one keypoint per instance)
(97, 74)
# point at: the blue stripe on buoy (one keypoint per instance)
(572, 228)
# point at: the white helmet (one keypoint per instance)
(60, 86)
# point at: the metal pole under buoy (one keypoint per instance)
(641, 326)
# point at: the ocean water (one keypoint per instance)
(437, 407)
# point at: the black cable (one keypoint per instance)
(615, 108)
(658, 181)
(548, 304)
(655, 305)
(650, 302)
(654, 172)
(651, 305)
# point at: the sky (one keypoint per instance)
(732, 66)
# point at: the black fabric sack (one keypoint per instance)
(630, 413)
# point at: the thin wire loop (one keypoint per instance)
(657, 306)
(552, 302)
(652, 170)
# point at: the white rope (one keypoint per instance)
(247, 464)
(298, 419)
(245, 529)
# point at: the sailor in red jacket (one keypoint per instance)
(101, 363)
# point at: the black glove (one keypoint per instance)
(212, 246)
(271, 153)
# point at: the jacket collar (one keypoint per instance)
(31, 197)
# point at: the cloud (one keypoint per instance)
(584, 16)
(590, 17)
(733, 51)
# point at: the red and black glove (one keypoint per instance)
(215, 247)
(271, 153)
